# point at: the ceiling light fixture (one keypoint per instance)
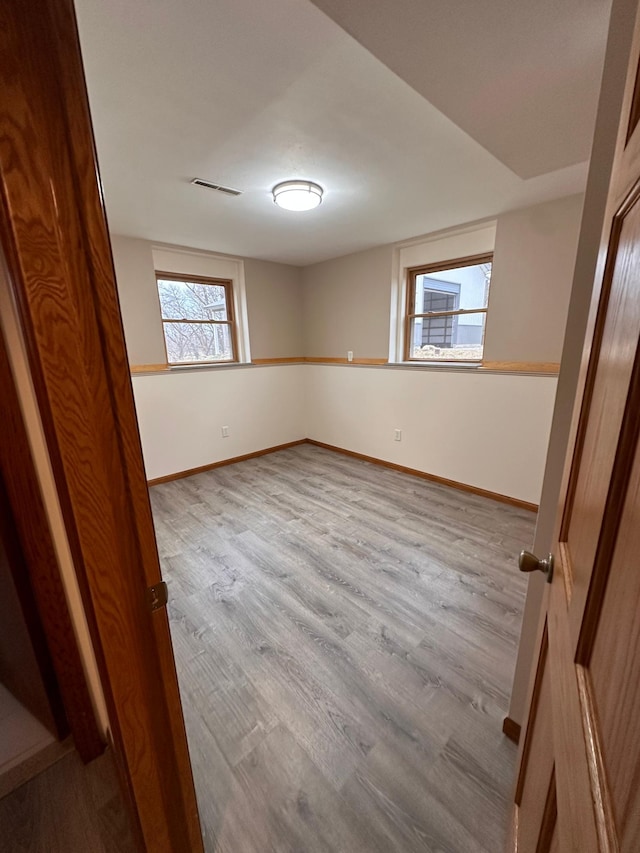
(297, 195)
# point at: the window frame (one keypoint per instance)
(410, 301)
(230, 321)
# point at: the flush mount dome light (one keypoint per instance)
(297, 195)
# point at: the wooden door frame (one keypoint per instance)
(42, 590)
(60, 270)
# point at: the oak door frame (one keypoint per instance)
(56, 245)
(43, 595)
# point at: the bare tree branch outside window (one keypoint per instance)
(197, 318)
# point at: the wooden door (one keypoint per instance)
(55, 246)
(579, 778)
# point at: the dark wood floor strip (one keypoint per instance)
(345, 637)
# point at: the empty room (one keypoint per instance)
(313, 427)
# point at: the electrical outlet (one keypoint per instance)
(398, 434)
(225, 431)
(350, 355)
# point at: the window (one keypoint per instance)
(197, 319)
(447, 309)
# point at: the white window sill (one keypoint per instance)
(438, 365)
(205, 364)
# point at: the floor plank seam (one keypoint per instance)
(345, 638)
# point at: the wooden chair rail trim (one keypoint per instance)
(296, 359)
(148, 368)
(256, 362)
(323, 360)
(454, 484)
(525, 367)
(164, 367)
(552, 367)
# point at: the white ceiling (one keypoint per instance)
(247, 93)
(521, 77)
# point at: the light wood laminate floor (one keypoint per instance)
(345, 638)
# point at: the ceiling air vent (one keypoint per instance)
(199, 182)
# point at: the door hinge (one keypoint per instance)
(157, 596)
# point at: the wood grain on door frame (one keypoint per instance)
(43, 575)
(56, 245)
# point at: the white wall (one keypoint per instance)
(273, 309)
(139, 303)
(180, 414)
(356, 408)
(274, 297)
(345, 305)
(488, 430)
(533, 263)
(353, 302)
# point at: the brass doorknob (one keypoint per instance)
(528, 562)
